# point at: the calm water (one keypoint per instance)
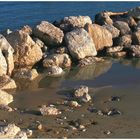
(16, 14)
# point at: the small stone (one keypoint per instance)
(100, 113)
(114, 98)
(74, 104)
(72, 127)
(84, 130)
(114, 112)
(40, 127)
(81, 127)
(107, 132)
(49, 111)
(6, 108)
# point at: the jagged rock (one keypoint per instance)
(71, 22)
(118, 54)
(54, 71)
(11, 131)
(103, 18)
(113, 30)
(27, 52)
(89, 60)
(40, 43)
(124, 40)
(136, 38)
(25, 74)
(123, 27)
(49, 110)
(114, 49)
(47, 32)
(61, 60)
(5, 98)
(80, 44)
(27, 29)
(81, 93)
(135, 12)
(135, 50)
(100, 36)
(7, 83)
(7, 50)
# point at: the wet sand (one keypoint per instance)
(111, 78)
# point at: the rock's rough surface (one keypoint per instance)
(27, 29)
(113, 30)
(26, 74)
(11, 131)
(123, 27)
(47, 32)
(61, 60)
(5, 98)
(136, 37)
(100, 36)
(27, 52)
(7, 83)
(114, 49)
(80, 44)
(8, 51)
(54, 71)
(49, 110)
(135, 12)
(71, 22)
(118, 54)
(135, 50)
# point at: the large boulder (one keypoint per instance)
(5, 98)
(71, 22)
(80, 44)
(100, 36)
(61, 60)
(7, 83)
(123, 27)
(47, 32)
(135, 12)
(6, 60)
(27, 52)
(113, 30)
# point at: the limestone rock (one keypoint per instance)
(27, 52)
(7, 83)
(71, 22)
(61, 60)
(49, 110)
(113, 30)
(54, 71)
(135, 12)
(80, 44)
(47, 32)
(25, 74)
(123, 27)
(5, 98)
(11, 131)
(100, 36)
(27, 29)
(8, 51)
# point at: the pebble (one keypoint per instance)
(107, 132)
(114, 112)
(114, 98)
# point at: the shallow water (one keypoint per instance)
(110, 78)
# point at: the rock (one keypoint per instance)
(80, 44)
(7, 83)
(123, 27)
(45, 111)
(74, 104)
(25, 74)
(81, 94)
(108, 132)
(54, 71)
(40, 43)
(27, 29)
(3, 64)
(113, 112)
(27, 52)
(135, 50)
(135, 12)
(100, 36)
(47, 32)
(103, 18)
(89, 60)
(114, 49)
(61, 60)
(11, 131)
(62, 50)
(5, 108)
(136, 37)
(118, 54)
(124, 40)
(113, 30)
(72, 22)
(5, 98)
(7, 50)
(114, 98)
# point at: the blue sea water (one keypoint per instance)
(13, 15)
